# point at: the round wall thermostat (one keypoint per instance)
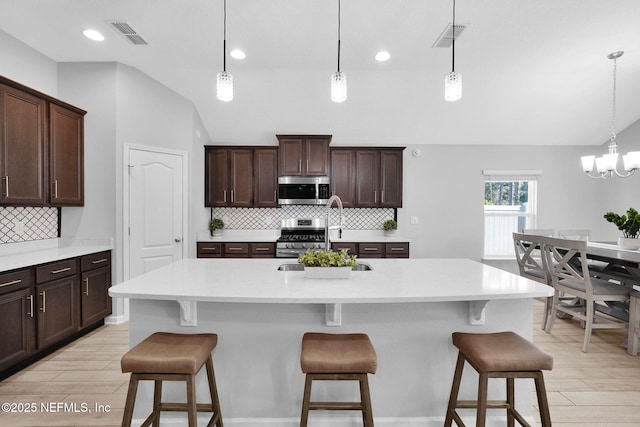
(416, 152)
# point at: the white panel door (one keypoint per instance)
(155, 210)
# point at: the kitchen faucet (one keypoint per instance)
(332, 199)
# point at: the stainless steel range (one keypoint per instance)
(299, 234)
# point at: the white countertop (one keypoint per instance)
(348, 236)
(391, 280)
(27, 254)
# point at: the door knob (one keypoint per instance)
(178, 239)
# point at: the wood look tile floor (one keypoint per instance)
(600, 388)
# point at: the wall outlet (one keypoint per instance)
(18, 227)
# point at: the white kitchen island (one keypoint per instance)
(408, 307)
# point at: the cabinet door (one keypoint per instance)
(58, 312)
(66, 154)
(23, 166)
(371, 250)
(291, 152)
(241, 177)
(316, 152)
(17, 327)
(343, 176)
(216, 175)
(367, 171)
(352, 248)
(236, 250)
(265, 173)
(209, 250)
(262, 250)
(391, 179)
(96, 303)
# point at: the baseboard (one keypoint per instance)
(321, 420)
(115, 320)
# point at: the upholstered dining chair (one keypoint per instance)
(532, 264)
(570, 275)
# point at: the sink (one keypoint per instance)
(361, 266)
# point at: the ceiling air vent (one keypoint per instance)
(129, 33)
(448, 35)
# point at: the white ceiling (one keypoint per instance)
(534, 71)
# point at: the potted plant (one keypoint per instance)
(629, 224)
(327, 264)
(215, 226)
(390, 226)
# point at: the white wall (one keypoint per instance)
(27, 66)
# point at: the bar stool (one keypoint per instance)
(337, 357)
(166, 356)
(634, 323)
(498, 355)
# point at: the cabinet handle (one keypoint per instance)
(30, 298)
(370, 249)
(381, 196)
(375, 197)
(86, 284)
(55, 189)
(99, 261)
(209, 248)
(397, 249)
(261, 249)
(43, 294)
(234, 249)
(231, 196)
(300, 165)
(61, 270)
(307, 165)
(13, 282)
(6, 186)
(225, 196)
(275, 195)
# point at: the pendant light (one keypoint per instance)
(607, 164)
(339, 79)
(453, 80)
(224, 80)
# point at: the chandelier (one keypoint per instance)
(224, 80)
(338, 79)
(453, 80)
(607, 164)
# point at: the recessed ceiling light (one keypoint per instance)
(93, 35)
(382, 56)
(237, 54)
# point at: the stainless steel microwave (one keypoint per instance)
(303, 190)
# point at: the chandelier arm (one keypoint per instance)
(629, 173)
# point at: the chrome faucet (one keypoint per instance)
(332, 199)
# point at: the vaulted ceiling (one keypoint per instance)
(534, 71)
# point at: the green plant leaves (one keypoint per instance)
(329, 258)
(629, 224)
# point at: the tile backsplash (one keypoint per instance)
(23, 224)
(269, 218)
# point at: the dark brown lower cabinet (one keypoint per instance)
(375, 249)
(236, 250)
(57, 310)
(96, 303)
(17, 327)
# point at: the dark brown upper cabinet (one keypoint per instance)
(41, 148)
(304, 155)
(228, 177)
(343, 175)
(378, 182)
(265, 173)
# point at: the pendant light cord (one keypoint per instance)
(453, 39)
(339, 14)
(613, 101)
(224, 42)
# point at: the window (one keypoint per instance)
(509, 205)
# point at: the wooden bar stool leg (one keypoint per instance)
(481, 416)
(543, 404)
(455, 388)
(131, 400)
(304, 417)
(157, 398)
(213, 390)
(192, 412)
(365, 398)
(510, 402)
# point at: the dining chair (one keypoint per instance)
(570, 276)
(574, 234)
(549, 232)
(532, 264)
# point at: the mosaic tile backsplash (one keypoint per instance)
(269, 218)
(33, 223)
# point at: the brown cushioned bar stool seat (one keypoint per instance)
(337, 357)
(498, 355)
(165, 356)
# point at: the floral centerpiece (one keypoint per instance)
(327, 264)
(629, 224)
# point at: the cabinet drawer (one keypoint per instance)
(56, 270)
(371, 250)
(397, 250)
(15, 280)
(232, 250)
(97, 260)
(209, 250)
(352, 248)
(263, 250)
